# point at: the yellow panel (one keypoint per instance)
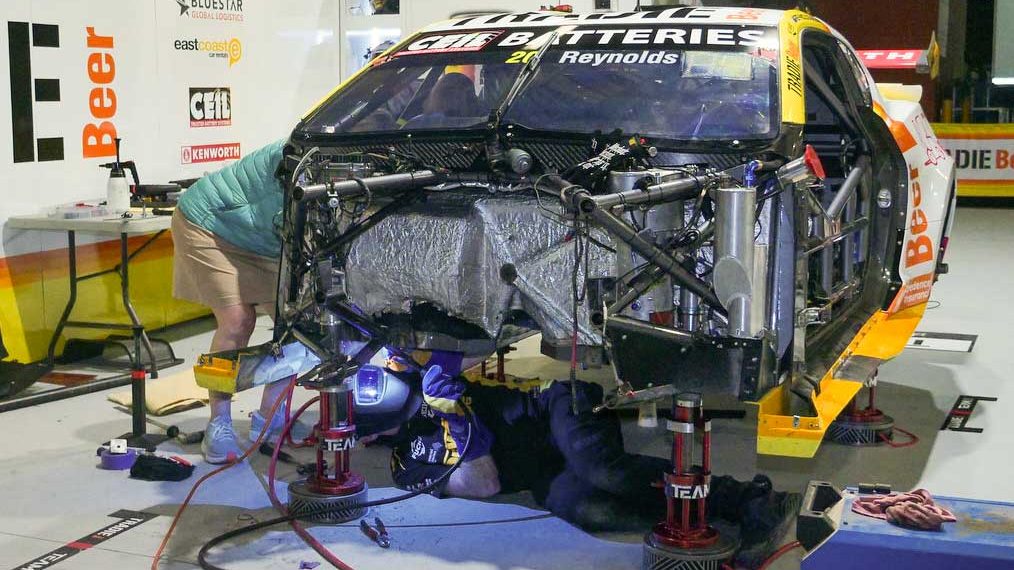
(780, 433)
(978, 131)
(883, 337)
(15, 326)
(218, 374)
(889, 334)
(985, 189)
(790, 30)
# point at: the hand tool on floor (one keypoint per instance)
(173, 431)
(378, 535)
(383, 532)
(301, 468)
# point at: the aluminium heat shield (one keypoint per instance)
(451, 251)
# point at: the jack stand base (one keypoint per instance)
(658, 556)
(310, 506)
(861, 431)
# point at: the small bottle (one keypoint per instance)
(117, 189)
(117, 192)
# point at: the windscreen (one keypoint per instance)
(673, 82)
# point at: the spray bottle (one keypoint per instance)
(117, 189)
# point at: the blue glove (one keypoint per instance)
(442, 393)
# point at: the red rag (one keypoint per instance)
(914, 510)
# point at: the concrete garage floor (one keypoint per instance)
(52, 493)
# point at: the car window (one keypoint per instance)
(687, 95)
(418, 93)
(679, 82)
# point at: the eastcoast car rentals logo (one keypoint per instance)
(196, 154)
(210, 107)
(221, 10)
(227, 49)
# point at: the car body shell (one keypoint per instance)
(923, 198)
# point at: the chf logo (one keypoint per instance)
(210, 107)
(689, 491)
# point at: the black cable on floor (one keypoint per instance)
(203, 553)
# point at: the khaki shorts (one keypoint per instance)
(213, 272)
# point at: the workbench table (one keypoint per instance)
(137, 224)
(124, 227)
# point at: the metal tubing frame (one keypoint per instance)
(359, 229)
(359, 186)
(848, 188)
(57, 394)
(671, 265)
(672, 191)
(663, 333)
(639, 285)
(595, 207)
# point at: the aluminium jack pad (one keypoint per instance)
(310, 506)
(861, 431)
(658, 556)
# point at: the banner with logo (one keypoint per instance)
(983, 156)
(189, 86)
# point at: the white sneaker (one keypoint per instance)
(220, 444)
(299, 431)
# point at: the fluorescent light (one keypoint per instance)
(1003, 81)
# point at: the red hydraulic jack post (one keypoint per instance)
(684, 540)
(334, 492)
(862, 426)
(138, 436)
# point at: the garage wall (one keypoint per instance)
(275, 58)
(899, 24)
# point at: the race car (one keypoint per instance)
(718, 200)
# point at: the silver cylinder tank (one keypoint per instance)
(661, 221)
(734, 256)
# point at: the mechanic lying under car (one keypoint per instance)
(575, 466)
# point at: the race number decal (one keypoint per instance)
(522, 56)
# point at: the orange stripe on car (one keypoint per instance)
(898, 129)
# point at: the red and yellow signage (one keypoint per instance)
(983, 157)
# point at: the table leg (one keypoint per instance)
(137, 375)
(140, 336)
(72, 281)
